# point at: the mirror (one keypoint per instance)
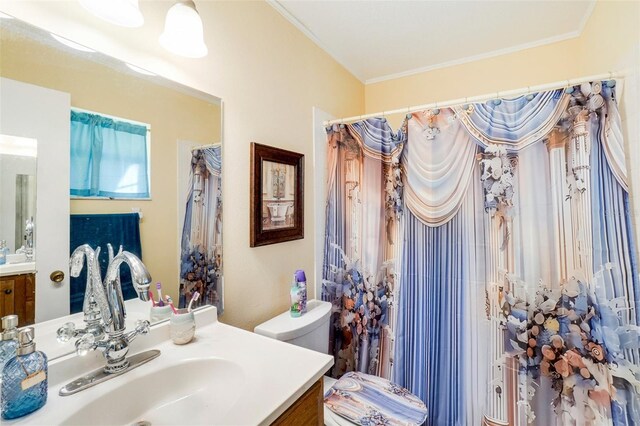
(183, 164)
(18, 158)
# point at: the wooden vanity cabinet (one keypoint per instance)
(307, 410)
(18, 296)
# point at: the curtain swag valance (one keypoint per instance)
(432, 144)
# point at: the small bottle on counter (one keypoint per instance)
(24, 381)
(8, 339)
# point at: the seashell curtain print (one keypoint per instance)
(359, 269)
(484, 257)
(201, 246)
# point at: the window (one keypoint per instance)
(109, 157)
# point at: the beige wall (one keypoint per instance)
(172, 116)
(269, 76)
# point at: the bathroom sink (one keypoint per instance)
(205, 388)
(217, 379)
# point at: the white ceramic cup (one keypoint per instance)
(159, 313)
(182, 327)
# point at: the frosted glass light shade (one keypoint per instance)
(183, 34)
(124, 13)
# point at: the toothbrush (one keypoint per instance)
(159, 287)
(170, 303)
(194, 297)
(153, 303)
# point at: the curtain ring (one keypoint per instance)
(497, 101)
(529, 96)
(409, 115)
(569, 89)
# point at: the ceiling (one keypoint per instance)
(380, 40)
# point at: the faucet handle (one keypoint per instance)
(85, 344)
(142, 327)
(66, 332)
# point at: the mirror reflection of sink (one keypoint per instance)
(16, 258)
(195, 391)
(14, 268)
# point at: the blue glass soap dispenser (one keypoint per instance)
(24, 378)
(8, 339)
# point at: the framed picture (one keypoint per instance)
(277, 195)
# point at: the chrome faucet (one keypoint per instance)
(108, 298)
(115, 345)
(95, 300)
(29, 239)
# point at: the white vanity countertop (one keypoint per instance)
(273, 374)
(17, 268)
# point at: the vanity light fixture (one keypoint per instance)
(71, 44)
(124, 13)
(138, 69)
(183, 33)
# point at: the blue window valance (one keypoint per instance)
(108, 157)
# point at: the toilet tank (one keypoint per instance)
(311, 330)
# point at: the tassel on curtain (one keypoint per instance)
(201, 247)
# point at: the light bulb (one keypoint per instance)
(183, 33)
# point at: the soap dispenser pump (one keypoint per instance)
(24, 381)
(8, 339)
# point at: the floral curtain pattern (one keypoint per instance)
(201, 246)
(484, 257)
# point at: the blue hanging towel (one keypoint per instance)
(97, 230)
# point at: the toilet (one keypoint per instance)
(310, 331)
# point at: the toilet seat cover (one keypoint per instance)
(371, 400)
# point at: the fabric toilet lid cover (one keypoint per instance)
(371, 400)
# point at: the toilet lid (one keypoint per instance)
(366, 399)
(332, 419)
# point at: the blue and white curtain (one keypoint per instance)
(109, 158)
(201, 247)
(484, 257)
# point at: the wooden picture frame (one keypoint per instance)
(277, 195)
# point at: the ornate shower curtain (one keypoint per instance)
(506, 258)
(201, 247)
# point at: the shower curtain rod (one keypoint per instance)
(211, 145)
(483, 98)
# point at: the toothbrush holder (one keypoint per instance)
(159, 313)
(182, 327)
